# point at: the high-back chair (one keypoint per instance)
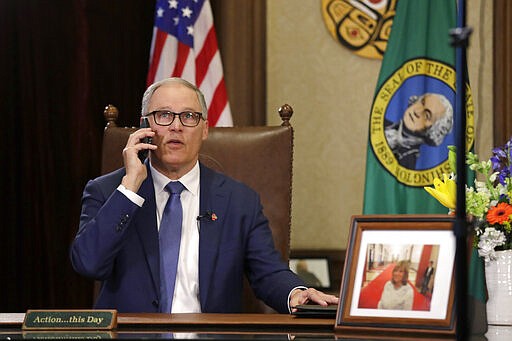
(259, 156)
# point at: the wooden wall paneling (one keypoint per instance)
(502, 71)
(241, 35)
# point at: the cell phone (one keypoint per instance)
(143, 154)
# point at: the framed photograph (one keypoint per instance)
(398, 276)
(327, 264)
(313, 271)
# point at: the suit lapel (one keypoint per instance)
(147, 229)
(214, 200)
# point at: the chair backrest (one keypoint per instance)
(259, 156)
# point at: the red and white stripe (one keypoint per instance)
(201, 65)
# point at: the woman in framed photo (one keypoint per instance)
(397, 293)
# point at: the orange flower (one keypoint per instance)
(499, 213)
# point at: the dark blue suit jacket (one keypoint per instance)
(117, 243)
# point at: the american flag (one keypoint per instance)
(185, 45)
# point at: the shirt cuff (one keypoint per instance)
(290, 295)
(134, 197)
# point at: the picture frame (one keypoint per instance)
(314, 271)
(398, 276)
(335, 259)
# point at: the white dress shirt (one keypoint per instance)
(186, 289)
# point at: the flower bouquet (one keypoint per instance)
(488, 202)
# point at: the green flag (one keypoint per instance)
(412, 120)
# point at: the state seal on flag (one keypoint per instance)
(412, 120)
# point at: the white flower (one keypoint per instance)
(481, 187)
(488, 241)
(502, 190)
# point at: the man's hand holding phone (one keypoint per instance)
(138, 142)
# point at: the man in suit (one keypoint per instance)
(224, 233)
(427, 276)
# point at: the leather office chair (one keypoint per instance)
(259, 156)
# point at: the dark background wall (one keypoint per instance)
(61, 62)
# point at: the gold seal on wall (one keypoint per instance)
(363, 26)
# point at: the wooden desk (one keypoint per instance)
(263, 326)
(210, 326)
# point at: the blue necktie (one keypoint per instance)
(169, 238)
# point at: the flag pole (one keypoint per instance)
(460, 37)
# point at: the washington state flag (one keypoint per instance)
(412, 117)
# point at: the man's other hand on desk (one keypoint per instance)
(311, 295)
